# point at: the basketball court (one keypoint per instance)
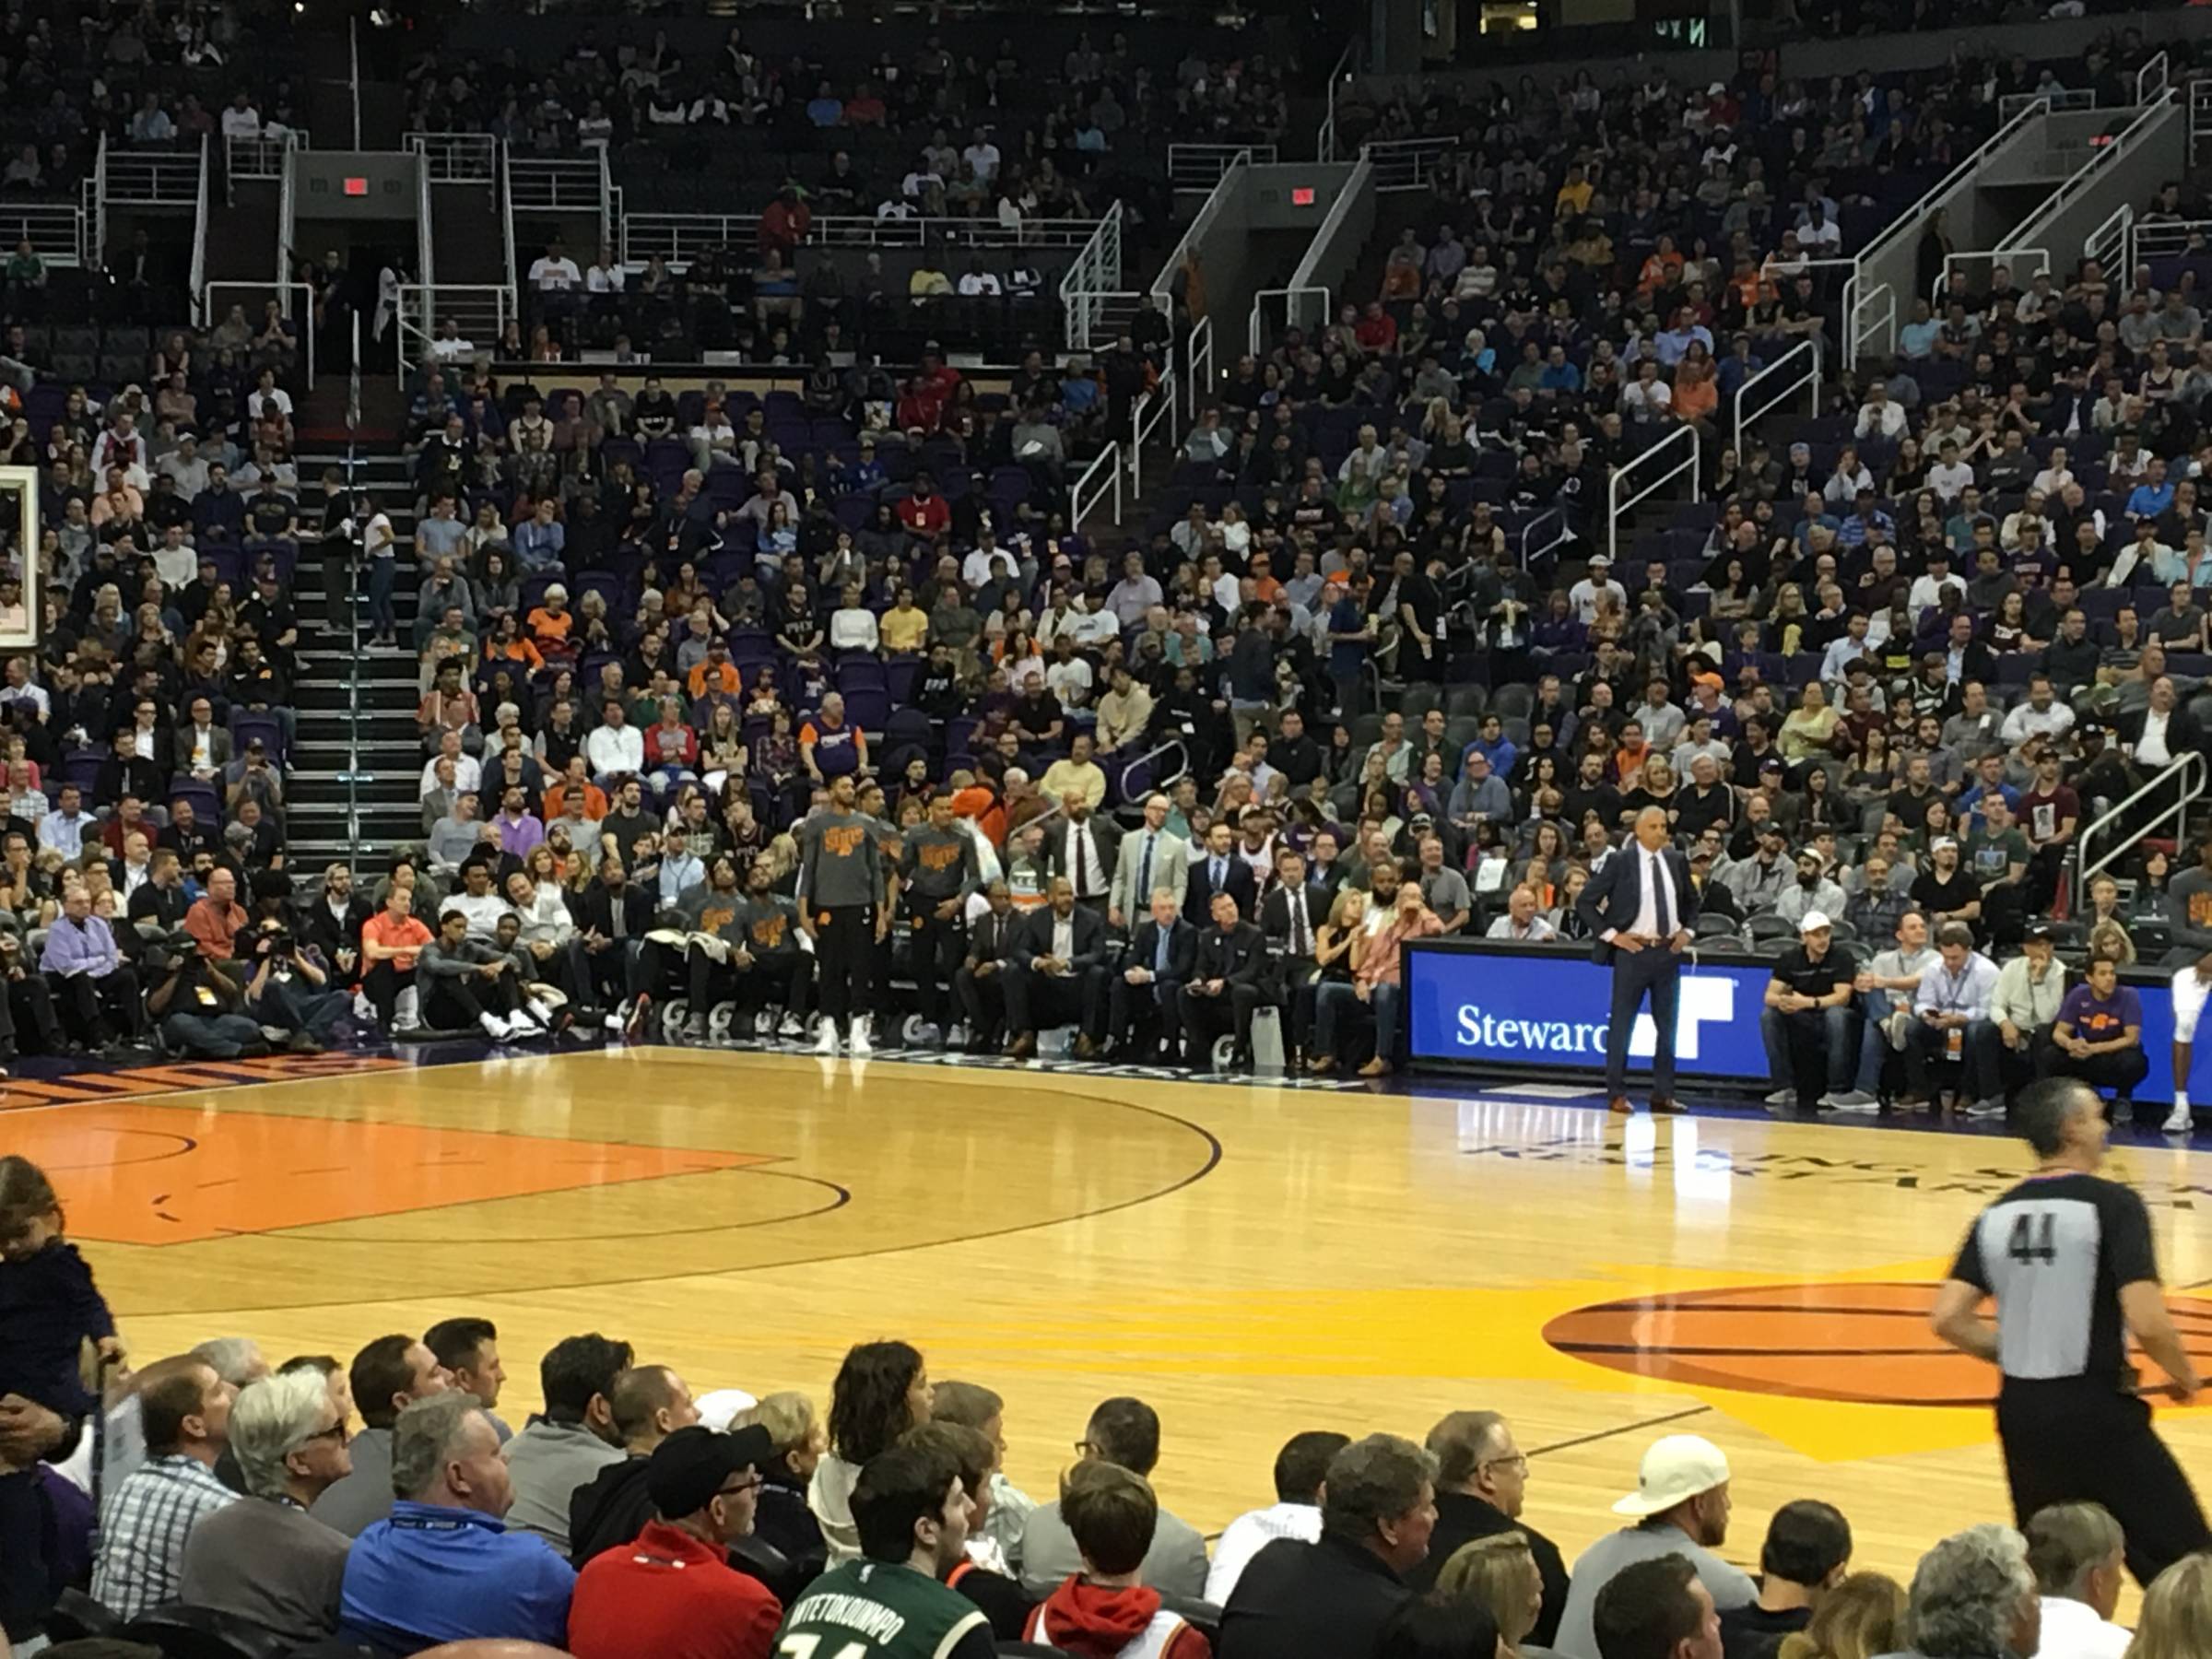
(1252, 1259)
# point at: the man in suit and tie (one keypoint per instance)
(1640, 908)
(1293, 909)
(980, 982)
(1083, 848)
(1225, 982)
(1148, 859)
(1144, 1006)
(1058, 973)
(1217, 869)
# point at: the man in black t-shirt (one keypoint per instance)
(1810, 1028)
(2067, 1257)
(1945, 892)
(1806, 1554)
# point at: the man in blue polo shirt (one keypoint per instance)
(444, 1568)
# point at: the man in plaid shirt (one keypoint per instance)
(146, 1520)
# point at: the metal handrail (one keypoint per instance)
(1257, 331)
(2103, 155)
(215, 298)
(1914, 217)
(1120, 783)
(1102, 478)
(1092, 276)
(1407, 163)
(1615, 506)
(1809, 374)
(1200, 166)
(1200, 350)
(355, 569)
(198, 276)
(1563, 532)
(2065, 98)
(1161, 406)
(515, 271)
(456, 157)
(55, 230)
(288, 209)
(2152, 78)
(679, 238)
(2113, 238)
(2192, 762)
(258, 156)
(2154, 237)
(1882, 301)
(1346, 66)
(2010, 256)
(426, 236)
(96, 209)
(1201, 221)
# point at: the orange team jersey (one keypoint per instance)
(725, 678)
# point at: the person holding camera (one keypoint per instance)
(198, 1009)
(286, 988)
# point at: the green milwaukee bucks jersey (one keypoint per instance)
(879, 1610)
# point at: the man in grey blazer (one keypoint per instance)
(1123, 1431)
(1148, 859)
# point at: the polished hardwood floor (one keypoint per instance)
(1254, 1260)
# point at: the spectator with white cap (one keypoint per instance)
(1807, 1021)
(1680, 1506)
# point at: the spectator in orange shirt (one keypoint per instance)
(552, 625)
(577, 777)
(508, 643)
(213, 922)
(389, 940)
(716, 673)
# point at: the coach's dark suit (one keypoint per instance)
(1152, 1006)
(1239, 960)
(1077, 997)
(1613, 900)
(1290, 973)
(1105, 841)
(1237, 882)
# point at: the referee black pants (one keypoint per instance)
(845, 959)
(2077, 1445)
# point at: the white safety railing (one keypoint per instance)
(1346, 66)
(1408, 163)
(96, 208)
(426, 228)
(1163, 290)
(1198, 376)
(1101, 480)
(1914, 219)
(294, 300)
(2151, 81)
(146, 178)
(198, 274)
(1794, 372)
(679, 238)
(1548, 530)
(2125, 823)
(55, 230)
(554, 183)
(1257, 325)
(2200, 118)
(259, 157)
(1093, 277)
(456, 157)
(1645, 475)
(514, 269)
(2150, 238)
(480, 312)
(1872, 316)
(2067, 97)
(2111, 244)
(1144, 418)
(1200, 166)
(2126, 142)
(287, 211)
(2024, 264)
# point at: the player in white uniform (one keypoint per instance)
(2192, 988)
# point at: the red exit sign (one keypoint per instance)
(356, 185)
(1301, 196)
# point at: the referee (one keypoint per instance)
(2067, 1257)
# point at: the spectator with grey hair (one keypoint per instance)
(266, 1561)
(237, 1361)
(1332, 1597)
(1973, 1596)
(444, 1568)
(1481, 1484)
(2077, 1554)
(1124, 1431)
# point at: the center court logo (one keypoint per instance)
(1703, 999)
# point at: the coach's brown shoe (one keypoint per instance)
(1023, 1047)
(1621, 1106)
(1666, 1105)
(1086, 1047)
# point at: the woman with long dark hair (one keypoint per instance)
(882, 1390)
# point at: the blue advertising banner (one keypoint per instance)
(1546, 1009)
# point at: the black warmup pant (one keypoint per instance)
(2119, 1070)
(456, 1004)
(381, 984)
(1206, 1017)
(982, 999)
(2070, 1443)
(844, 948)
(1035, 1001)
(95, 1011)
(935, 951)
(780, 978)
(1144, 1017)
(29, 1002)
(1656, 973)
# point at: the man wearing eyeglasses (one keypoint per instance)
(1481, 1481)
(267, 1562)
(673, 1593)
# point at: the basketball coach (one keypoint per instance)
(1640, 908)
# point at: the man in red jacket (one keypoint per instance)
(1105, 1611)
(673, 1593)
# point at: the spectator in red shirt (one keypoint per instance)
(674, 1594)
(784, 222)
(214, 921)
(924, 511)
(1378, 330)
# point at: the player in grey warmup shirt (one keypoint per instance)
(939, 872)
(2067, 1257)
(841, 908)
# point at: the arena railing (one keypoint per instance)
(2153, 78)
(1657, 466)
(151, 178)
(1093, 283)
(1145, 416)
(482, 309)
(1345, 70)
(2029, 237)
(2185, 777)
(1200, 166)
(198, 276)
(1100, 480)
(1199, 374)
(259, 157)
(2200, 118)
(1256, 327)
(1227, 185)
(1555, 529)
(456, 157)
(54, 229)
(2067, 97)
(679, 238)
(1794, 372)
(1911, 222)
(1408, 163)
(2149, 239)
